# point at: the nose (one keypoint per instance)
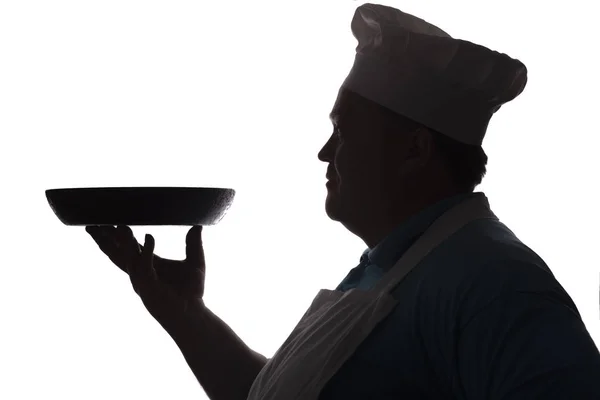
(326, 154)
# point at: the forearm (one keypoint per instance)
(220, 360)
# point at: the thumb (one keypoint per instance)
(194, 251)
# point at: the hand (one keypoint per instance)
(170, 290)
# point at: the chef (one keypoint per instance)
(446, 302)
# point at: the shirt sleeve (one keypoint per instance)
(527, 345)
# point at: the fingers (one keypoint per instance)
(141, 269)
(118, 243)
(194, 251)
(126, 242)
(105, 238)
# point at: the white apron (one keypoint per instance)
(336, 323)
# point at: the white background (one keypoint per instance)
(233, 94)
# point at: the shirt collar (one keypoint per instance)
(389, 250)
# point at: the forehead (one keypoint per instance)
(349, 105)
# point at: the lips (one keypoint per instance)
(331, 180)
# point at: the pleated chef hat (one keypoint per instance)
(417, 70)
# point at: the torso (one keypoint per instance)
(410, 355)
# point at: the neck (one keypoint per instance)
(381, 221)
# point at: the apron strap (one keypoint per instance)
(471, 209)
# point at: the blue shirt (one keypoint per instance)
(481, 317)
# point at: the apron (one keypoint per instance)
(336, 323)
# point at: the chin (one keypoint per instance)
(332, 207)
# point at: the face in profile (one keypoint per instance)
(360, 169)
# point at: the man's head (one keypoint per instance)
(384, 167)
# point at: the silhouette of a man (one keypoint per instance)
(446, 303)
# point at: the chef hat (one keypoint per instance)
(417, 70)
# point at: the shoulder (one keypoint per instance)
(487, 251)
(477, 265)
(485, 307)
